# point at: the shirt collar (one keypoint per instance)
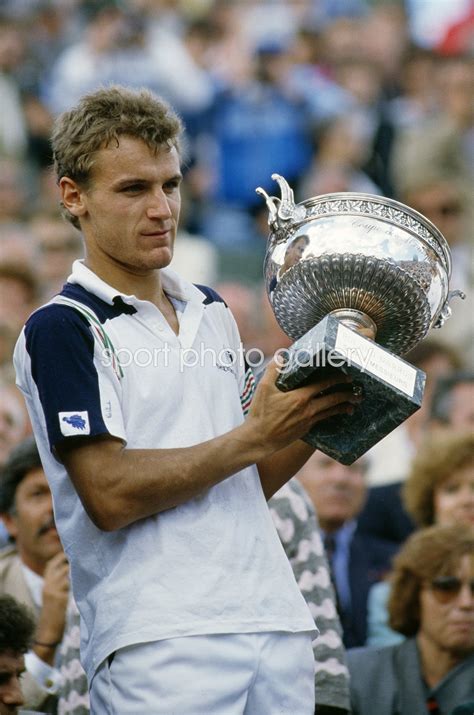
(172, 283)
(35, 585)
(343, 536)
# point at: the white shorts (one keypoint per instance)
(236, 674)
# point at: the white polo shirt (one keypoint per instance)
(93, 361)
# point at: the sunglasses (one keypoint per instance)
(446, 588)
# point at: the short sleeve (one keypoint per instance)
(77, 389)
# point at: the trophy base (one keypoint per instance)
(392, 389)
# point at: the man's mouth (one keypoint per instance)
(156, 233)
(50, 526)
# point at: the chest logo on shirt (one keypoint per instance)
(74, 423)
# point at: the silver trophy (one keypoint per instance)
(342, 267)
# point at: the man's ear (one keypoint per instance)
(72, 196)
(10, 523)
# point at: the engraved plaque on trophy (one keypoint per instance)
(339, 268)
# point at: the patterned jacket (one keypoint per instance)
(297, 526)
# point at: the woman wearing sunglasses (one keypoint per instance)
(432, 604)
(439, 490)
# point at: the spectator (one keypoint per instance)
(122, 46)
(13, 193)
(58, 244)
(439, 490)
(16, 635)
(13, 419)
(343, 147)
(18, 293)
(12, 119)
(453, 401)
(390, 460)
(34, 569)
(255, 129)
(432, 604)
(297, 526)
(358, 560)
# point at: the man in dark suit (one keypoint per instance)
(357, 560)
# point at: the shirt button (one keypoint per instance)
(160, 327)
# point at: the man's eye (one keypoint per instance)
(133, 188)
(38, 493)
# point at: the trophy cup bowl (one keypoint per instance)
(338, 268)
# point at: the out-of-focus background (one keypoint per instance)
(336, 95)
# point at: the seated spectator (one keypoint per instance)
(357, 560)
(58, 244)
(453, 401)
(390, 460)
(432, 604)
(16, 635)
(439, 490)
(13, 419)
(19, 291)
(34, 570)
(298, 529)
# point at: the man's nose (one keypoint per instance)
(159, 206)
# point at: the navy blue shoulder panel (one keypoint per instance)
(103, 310)
(61, 349)
(211, 295)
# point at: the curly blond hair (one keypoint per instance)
(99, 119)
(439, 456)
(427, 554)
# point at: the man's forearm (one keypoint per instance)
(119, 486)
(279, 467)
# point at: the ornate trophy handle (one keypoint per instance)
(446, 309)
(283, 210)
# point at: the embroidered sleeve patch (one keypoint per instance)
(73, 424)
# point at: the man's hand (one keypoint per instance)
(50, 628)
(119, 486)
(280, 418)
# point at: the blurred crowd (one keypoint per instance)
(335, 95)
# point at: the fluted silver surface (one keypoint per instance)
(357, 251)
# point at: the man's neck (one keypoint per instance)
(329, 527)
(144, 286)
(32, 564)
(436, 662)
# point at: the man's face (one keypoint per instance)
(461, 410)
(32, 523)
(337, 491)
(12, 422)
(454, 498)
(447, 620)
(12, 665)
(294, 252)
(441, 204)
(129, 212)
